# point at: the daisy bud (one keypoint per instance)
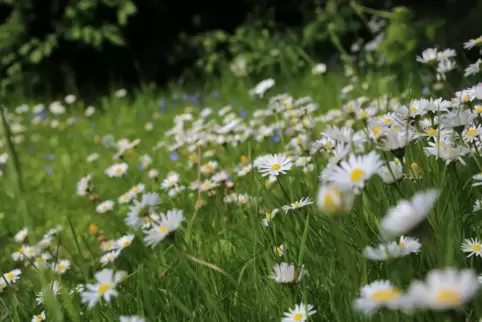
(93, 229)
(333, 200)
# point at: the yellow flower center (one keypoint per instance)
(105, 207)
(471, 132)
(269, 216)
(466, 98)
(357, 174)
(135, 190)
(61, 267)
(298, 317)
(364, 114)
(386, 295)
(350, 108)
(478, 109)
(376, 130)
(209, 167)
(10, 276)
(118, 170)
(476, 248)
(41, 259)
(387, 120)
(38, 318)
(170, 182)
(331, 201)
(448, 297)
(296, 204)
(278, 250)
(126, 243)
(401, 244)
(163, 229)
(108, 245)
(103, 288)
(329, 144)
(299, 139)
(413, 109)
(431, 132)
(276, 166)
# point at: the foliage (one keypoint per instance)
(25, 43)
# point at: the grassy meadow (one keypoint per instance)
(325, 197)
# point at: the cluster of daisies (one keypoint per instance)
(364, 139)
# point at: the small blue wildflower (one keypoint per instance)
(174, 156)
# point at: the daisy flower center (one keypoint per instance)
(431, 132)
(278, 250)
(331, 198)
(118, 170)
(298, 317)
(126, 243)
(478, 109)
(448, 297)
(105, 207)
(163, 229)
(364, 114)
(103, 288)
(10, 276)
(401, 244)
(61, 267)
(413, 109)
(376, 130)
(466, 98)
(276, 166)
(476, 248)
(357, 174)
(386, 295)
(471, 132)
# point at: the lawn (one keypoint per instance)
(321, 197)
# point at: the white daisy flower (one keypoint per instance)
(379, 294)
(334, 200)
(391, 173)
(285, 273)
(273, 164)
(138, 212)
(473, 246)
(298, 204)
(171, 181)
(53, 288)
(353, 173)
(444, 289)
(39, 318)
(105, 206)
(269, 216)
(407, 214)
(473, 43)
(117, 170)
(300, 313)
(62, 266)
(133, 318)
(12, 276)
(429, 55)
(169, 223)
(125, 241)
(21, 235)
(110, 257)
(104, 288)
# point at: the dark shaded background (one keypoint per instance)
(153, 33)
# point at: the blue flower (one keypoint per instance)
(174, 156)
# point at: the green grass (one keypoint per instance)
(217, 265)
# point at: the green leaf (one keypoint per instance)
(36, 56)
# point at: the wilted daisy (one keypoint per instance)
(379, 294)
(300, 313)
(104, 288)
(285, 273)
(273, 164)
(298, 204)
(444, 289)
(117, 170)
(408, 214)
(105, 206)
(472, 246)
